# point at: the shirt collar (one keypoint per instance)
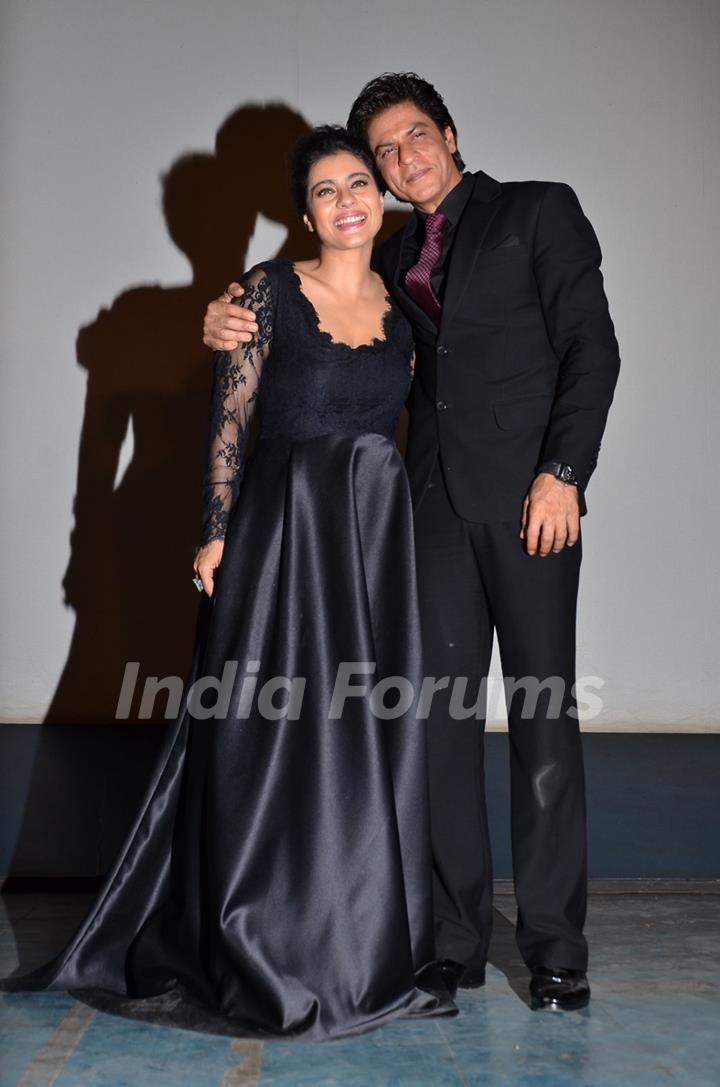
(454, 203)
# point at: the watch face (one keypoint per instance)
(566, 473)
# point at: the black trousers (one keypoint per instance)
(474, 580)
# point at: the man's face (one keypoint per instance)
(413, 155)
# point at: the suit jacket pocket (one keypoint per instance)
(502, 254)
(508, 240)
(524, 412)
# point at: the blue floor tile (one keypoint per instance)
(27, 1021)
(117, 1052)
(654, 1019)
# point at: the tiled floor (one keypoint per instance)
(654, 1018)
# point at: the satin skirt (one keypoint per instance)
(277, 879)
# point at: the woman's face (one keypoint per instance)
(345, 207)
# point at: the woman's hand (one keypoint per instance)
(206, 563)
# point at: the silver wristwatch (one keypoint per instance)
(564, 472)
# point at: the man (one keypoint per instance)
(516, 365)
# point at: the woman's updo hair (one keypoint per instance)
(317, 144)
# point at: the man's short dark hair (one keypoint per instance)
(391, 89)
(317, 144)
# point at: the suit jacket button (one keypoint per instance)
(442, 349)
(441, 405)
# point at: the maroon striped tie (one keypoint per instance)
(417, 278)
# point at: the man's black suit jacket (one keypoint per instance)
(523, 367)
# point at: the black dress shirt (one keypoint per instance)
(452, 208)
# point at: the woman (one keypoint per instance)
(277, 879)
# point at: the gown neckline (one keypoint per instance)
(373, 345)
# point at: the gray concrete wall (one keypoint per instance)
(99, 101)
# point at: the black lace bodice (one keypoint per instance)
(304, 383)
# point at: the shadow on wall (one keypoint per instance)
(128, 579)
(149, 379)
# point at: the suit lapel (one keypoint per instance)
(471, 232)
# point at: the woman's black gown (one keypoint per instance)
(277, 879)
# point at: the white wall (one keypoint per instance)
(618, 97)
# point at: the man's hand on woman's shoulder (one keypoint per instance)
(226, 324)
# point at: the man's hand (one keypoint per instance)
(225, 324)
(551, 516)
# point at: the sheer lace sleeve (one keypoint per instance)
(236, 388)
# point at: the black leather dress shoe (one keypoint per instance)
(455, 975)
(450, 972)
(563, 990)
(473, 977)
